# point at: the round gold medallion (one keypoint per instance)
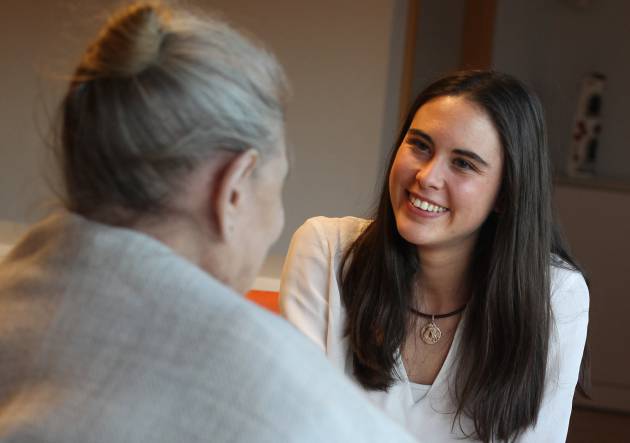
(430, 333)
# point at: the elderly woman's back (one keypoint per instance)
(107, 335)
(119, 319)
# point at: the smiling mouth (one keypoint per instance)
(425, 205)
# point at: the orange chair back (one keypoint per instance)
(267, 299)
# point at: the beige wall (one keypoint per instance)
(343, 58)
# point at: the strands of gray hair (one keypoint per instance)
(158, 90)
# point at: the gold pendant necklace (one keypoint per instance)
(431, 333)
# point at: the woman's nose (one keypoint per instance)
(430, 175)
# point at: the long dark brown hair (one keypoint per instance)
(502, 358)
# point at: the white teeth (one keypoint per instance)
(425, 206)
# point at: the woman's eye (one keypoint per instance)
(463, 164)
(419, 145)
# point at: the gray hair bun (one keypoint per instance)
(129, 43)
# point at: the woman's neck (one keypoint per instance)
(442, 283)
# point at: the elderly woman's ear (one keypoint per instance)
(231, 188)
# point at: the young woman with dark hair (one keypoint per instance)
(458, 307)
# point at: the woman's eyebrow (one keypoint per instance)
(463, 152)
(421, 134)
(471, 155)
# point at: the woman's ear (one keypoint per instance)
(231, 189)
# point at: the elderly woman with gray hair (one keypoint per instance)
(120, 318)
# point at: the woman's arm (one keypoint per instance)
(305, 282)
(570, 303)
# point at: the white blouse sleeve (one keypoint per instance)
(303, 289)
(570, 303)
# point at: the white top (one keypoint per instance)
(418, 391)
(310, 299)
(107, 335)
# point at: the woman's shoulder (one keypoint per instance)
(569, 291)
(338, 231)
(338, 224)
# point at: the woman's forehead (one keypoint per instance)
(454, 121)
